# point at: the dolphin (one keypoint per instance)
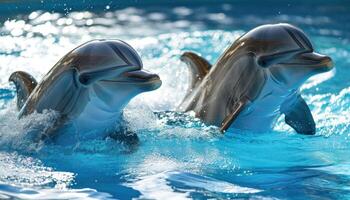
(255, 80)
(88, 87)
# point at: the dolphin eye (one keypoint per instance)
(84, 80)
(262, 63)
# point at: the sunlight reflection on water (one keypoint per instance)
(178, 156)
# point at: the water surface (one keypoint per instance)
(178, 156)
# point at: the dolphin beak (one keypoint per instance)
(317, 61)
(141, 78)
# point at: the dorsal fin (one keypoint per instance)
(199, 67)
(25, 83)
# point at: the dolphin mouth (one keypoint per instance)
(313, 60)
(141, 78)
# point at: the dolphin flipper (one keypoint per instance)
(226, 123)
(25, 83)
(198, 66)
(298, 116)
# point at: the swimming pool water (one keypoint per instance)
(178, 156)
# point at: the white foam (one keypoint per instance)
(14, 192)
(18, 134)
(27, 171)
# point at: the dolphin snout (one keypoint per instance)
(141, 76)
(142, 79)
(317, 61)
(328, 63)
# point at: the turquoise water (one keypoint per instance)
(178, 156)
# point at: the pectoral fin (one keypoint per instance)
(25, 84)
(226, 123)
(298, 116)
(199, 67)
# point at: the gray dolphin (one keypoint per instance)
(255, 80)
(89, 86)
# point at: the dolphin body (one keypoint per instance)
(256, 80)
(88, 87)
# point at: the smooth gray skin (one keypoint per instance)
(255, 80)
(89, 86)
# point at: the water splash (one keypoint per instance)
(18, 134)
(178, 155)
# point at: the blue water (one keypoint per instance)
(178, 156)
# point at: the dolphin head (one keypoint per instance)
(113, 71)
(287, 53)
